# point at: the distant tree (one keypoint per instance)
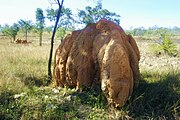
(61, 32)
(40, 20)
(176, 30)
(34, 29)
(154, 31)
(11, 31)
(60, 5)
(165, 42)
(92, 15)
(140, 31)
(25, 25)
(48, 29)
(0, 28)
(168, 46)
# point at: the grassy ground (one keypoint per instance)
(24, 93)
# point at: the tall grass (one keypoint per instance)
(158, 96)
(23, 63)
(24, 94)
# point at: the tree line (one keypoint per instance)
(67, 21)
(154, 31)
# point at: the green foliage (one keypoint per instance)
(11, 31)
(40, 19)
(66, 19)
(66, 22)
(61, 32)
(25, 26)
(1, 28)
(157, 97)
(92, 15)
(154, 31)
(136, 31)
(51, 14)
(156, 49)
(168, 46)
(165, 46)
(48, 29)
(49, 103)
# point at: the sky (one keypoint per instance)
(134, 13)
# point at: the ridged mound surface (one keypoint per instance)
(100, 53)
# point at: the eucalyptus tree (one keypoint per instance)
(92, 15)
(0, 28)
(10, 31)
(66, 21)
(26, 26)
(40, 21)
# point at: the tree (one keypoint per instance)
(48, 29)
(92, 15)
(60, 5)
(168, 46)
(165, 42)
(0, 28)
(25, 25)
(66, 20)
(11, 31)
(140, 31)
(40, 19)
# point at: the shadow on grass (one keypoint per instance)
(31, 80)
(43, 103)
(35, 81)
(156, 99)
(8, 105)
(92, 97)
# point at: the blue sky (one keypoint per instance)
(134, 13)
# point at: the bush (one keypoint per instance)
(164, 46)
(155, 49)
(168, 46)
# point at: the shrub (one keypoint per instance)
(155, 49)
(164, 46)
(168, 46)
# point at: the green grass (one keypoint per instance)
(24, 93)
(158, 96)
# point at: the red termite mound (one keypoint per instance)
(20, 41)
(103, 53)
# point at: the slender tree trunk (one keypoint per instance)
(52, 40)
(13, 39)
(40, 39)
(26, 34)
